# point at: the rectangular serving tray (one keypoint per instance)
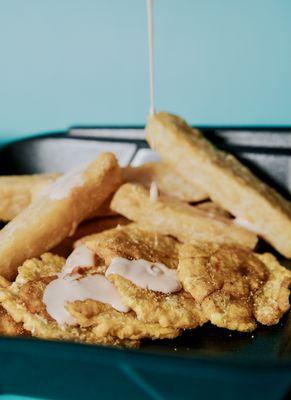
(205, 363)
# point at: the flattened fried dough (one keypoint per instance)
(17, 192)
(231, 284)
(223, 177)
(86, 228)
(176, 310)
(167, 179)
(272, 300)
(8, 327)
(107, 321)
(57, 213)
(171, 217)
(133, 242)
(23, 302)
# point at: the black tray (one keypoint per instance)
(201, 364)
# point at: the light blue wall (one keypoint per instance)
(65, 62)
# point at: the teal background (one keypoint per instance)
(67, 62)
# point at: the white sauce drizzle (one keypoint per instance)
(61, 291)
(80, 257)
(151, 54)
(145, 274)
(69, 288)
(63, 186)
(154, 192)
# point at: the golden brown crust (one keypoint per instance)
(175, 310)
(172, 217)
(8, 327)
(133, 242)
(107, 321)
(272, 300)
(233, 285)
(224, 178)
(23, 302)
(48, 220)
(96, 322)
(169, 182)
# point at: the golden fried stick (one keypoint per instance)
(234, 286)
(171, 217)
(169, 182)
(56, 214)
(17, 192)
(224, 178)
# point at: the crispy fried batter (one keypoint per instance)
(167, 179)
(107, 321)
(172, 217)
(132, 242)
(23, 302)
(8, 327)
(230, 283)
(177, 310)
(97, 322)
(272, 300)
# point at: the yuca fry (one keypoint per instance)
(169, 182)
(224, 178)
(17, 192)
(172, 217)
(57, 213)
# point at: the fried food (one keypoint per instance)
(176, 310)
(17, 192)
(272, 300)
(228, 183)
(133, 242)
(171, 217)
(169, 182)
(96, 322)
(232, 284)
(212, 209)
(8, 327)
(88, 227)
(56, 214)
(107, 321)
